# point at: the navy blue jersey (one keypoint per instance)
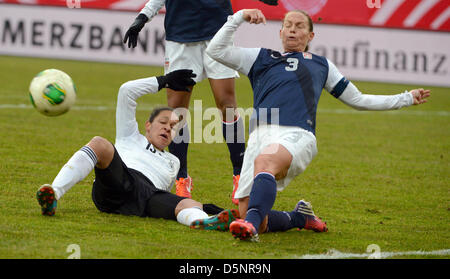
(291, 82)
(195, 20)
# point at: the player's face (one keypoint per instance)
(295, 33)
(161, 131)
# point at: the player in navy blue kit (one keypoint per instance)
(134, 176)
(286, 87)
(189, 25)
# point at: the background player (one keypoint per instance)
(291, 82)
(189, 25)
(134, 176)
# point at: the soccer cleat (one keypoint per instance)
(235, 186)
(220, 222)
(47, 199)
(244, 230)
(184, 187)
(312, 222)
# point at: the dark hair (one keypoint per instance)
(310, 22)
(157, 111)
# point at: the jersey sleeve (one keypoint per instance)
(129, 92)
(345, 91)
(152, 8)
(222, 49)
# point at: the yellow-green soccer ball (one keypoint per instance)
(52, 92)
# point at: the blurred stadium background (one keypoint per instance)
(397, 41)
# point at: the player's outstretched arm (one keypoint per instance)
(221, 47)
(147, 13)
(354, 98)
(130, 91)
(133, 32)
(349, 94)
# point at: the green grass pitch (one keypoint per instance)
(379, 177)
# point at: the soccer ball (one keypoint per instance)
(52, 92)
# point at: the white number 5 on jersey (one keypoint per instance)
(293, 64)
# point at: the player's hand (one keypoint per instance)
(254, 16)
(420, 95)
(133, 32)
(270, 2)
(179, 80)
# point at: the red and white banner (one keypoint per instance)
(124, 5)
(408, 14)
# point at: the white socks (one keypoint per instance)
(189, 215)
(75, 170)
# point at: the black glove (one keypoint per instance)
(178, 80)
(133, 31)
(270, 2)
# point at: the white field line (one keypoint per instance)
(335, 254)
(331, 111)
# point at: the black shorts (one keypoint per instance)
(119, 189)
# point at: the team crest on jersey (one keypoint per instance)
(171, 164)
(307, 55)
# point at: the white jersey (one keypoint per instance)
(137, 153)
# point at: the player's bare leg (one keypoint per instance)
(180, 143)
(98, 152)
(270, 165)
(232, 127)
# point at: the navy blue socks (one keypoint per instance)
(280, 221)
(179, 148)
(262, 198)
(234, 136)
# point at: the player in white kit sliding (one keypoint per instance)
(135, 175)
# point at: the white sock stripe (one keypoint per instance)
(90, 153)
(252, 209)
(232, 122)
(306, 212)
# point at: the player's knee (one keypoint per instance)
(103, 149)
(187, 203)
(263, 163)
(266, 163)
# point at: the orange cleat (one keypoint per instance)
(244, 230)
(315, 224)
(184, 187)
(235, 186)
(312, 222)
